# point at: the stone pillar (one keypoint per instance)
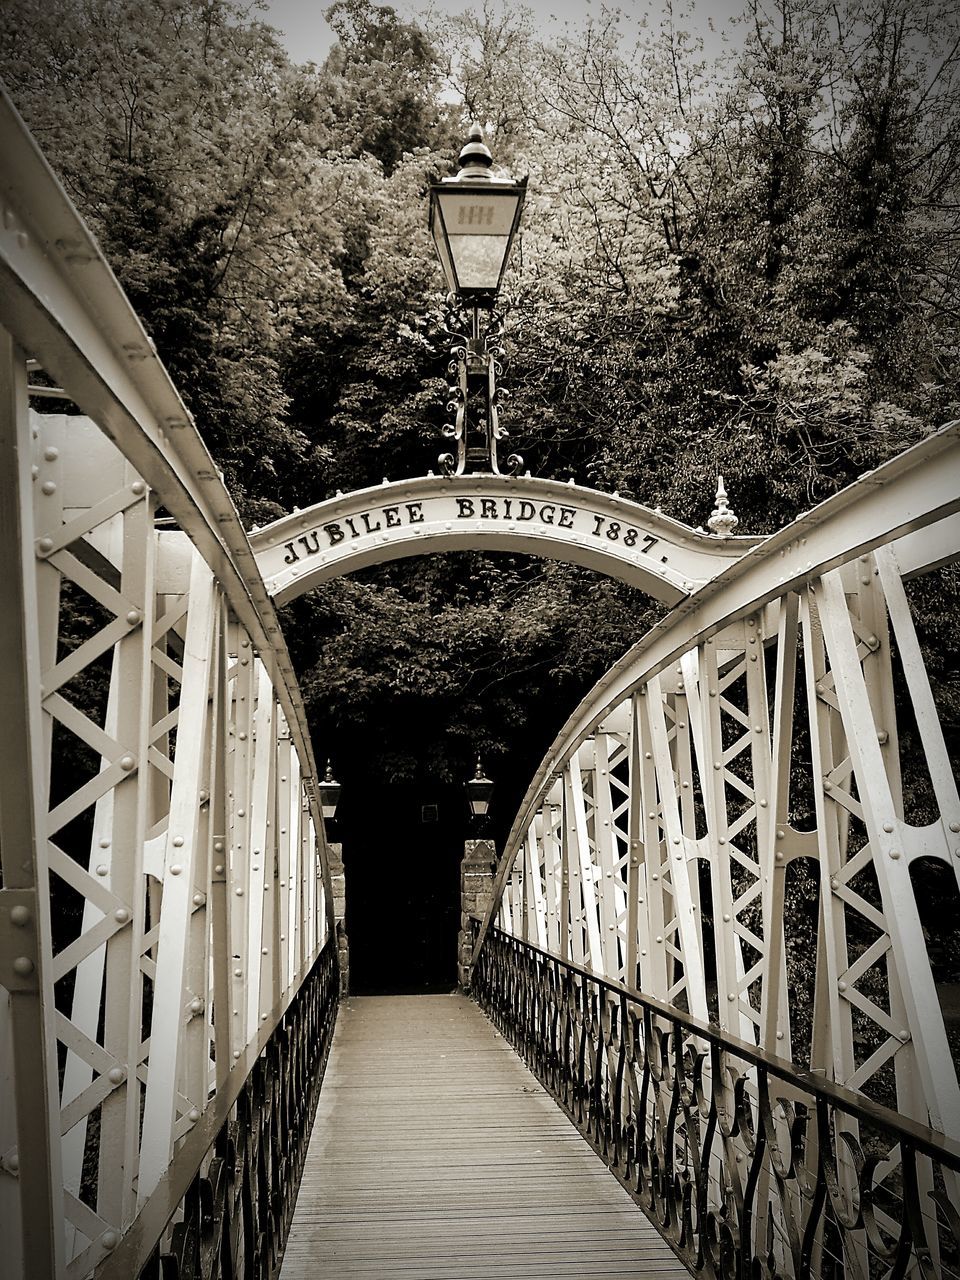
(338, 880)
(476, 893)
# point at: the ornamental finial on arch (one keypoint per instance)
(722, 521)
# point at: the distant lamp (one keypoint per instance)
(329, 792)
(479, 790)
(473, 220)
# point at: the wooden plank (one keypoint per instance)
(436, 1154)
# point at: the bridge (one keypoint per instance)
(178, 1062)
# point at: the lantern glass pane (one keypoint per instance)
(479, 225)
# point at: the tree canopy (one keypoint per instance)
(741, 262)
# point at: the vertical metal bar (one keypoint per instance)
(35, 1196)
(167, 1022)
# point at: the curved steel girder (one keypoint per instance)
(62, 303)
(912, 493)
(568, 522)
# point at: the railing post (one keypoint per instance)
(476, 894)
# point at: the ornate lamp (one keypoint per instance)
(473, 220)
(479, 790)
(329, 792)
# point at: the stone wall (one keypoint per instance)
(476, 893)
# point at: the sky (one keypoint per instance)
(308, 38)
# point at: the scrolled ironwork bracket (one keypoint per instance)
(476, 362)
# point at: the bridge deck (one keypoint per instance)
(437, 1154)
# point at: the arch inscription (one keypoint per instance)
(569, 522)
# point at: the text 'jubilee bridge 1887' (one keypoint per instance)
(169, 984)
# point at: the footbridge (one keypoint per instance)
(184, 1091)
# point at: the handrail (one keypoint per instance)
(742, 1177)
(927, 1140)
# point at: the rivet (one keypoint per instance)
(834, 882)
(102, 869)
(178, 842)
(779, 1035)
(196, 1005)
(236, 1054)
(841, 985)
(242, 735)
(758, 728)
(655, 876)
(110, 1240)
(48, 487)
(647, 755)
(827, 784)
(23, 966)
(894, 853)
(121, 915)
(19, 916)
(779, 833)
(676, 839)
(241, 813)
(12, 1162)
(138, 487)
(264, 952)
(176, 869)
(133, 617)
(713, 693)
(731, 995)
(955, 826)
(779, 855)
(193, 1114)
(199, 899)
(218, 846)
(883, 737)
(726, 916)
(127, 763)
(51, 453)
(237, 973)
(116, 1075)
(659, 938)
(722, 840)
(888, 827)
(763, 804)
(904, 1035)
(239, 891)
(717, 764)
(44, 546)
(218, 869)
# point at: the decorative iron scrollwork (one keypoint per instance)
(748, 1169)
(474, 395)
(234, 1219)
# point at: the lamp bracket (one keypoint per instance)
(474, 397)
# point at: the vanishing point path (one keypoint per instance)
(436, 1155)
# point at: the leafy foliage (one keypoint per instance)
(742, 263)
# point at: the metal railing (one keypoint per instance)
(233, 1218)
(747, 1167)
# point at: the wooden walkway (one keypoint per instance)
(436, 1155)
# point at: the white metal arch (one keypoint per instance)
(601, 531)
